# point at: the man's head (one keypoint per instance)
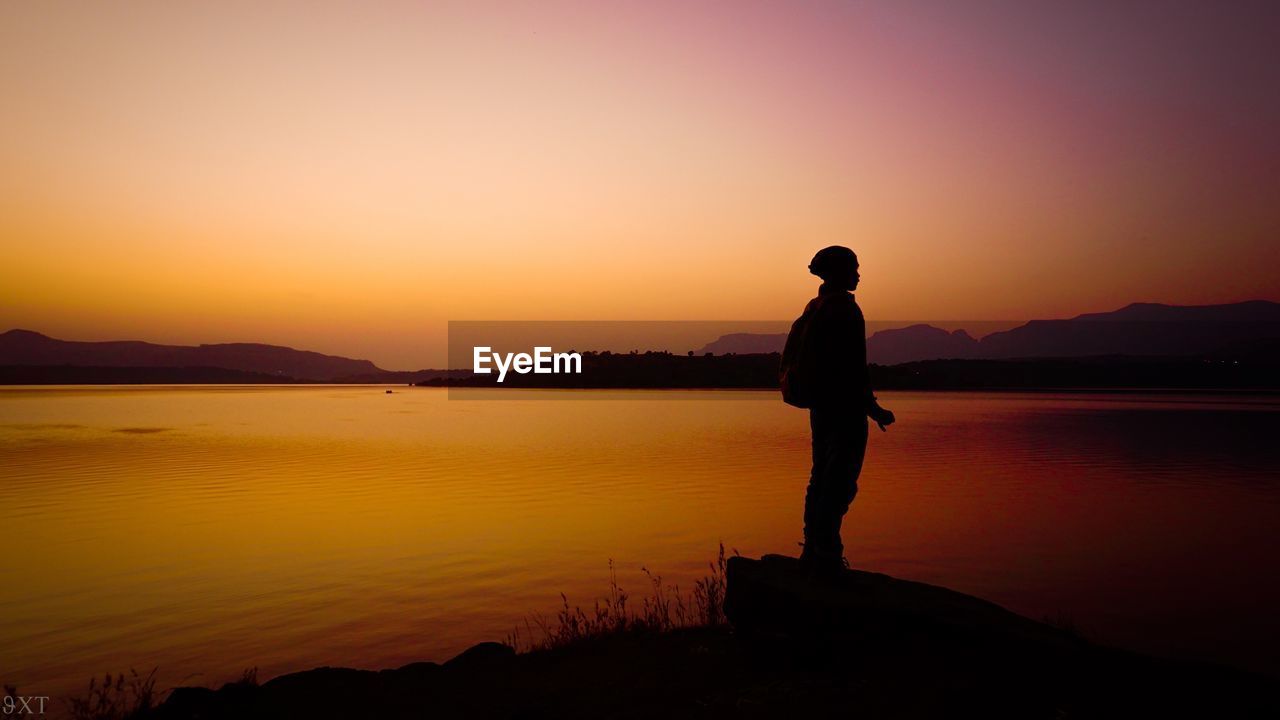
(836, 265)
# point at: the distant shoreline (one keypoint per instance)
(1084, 376)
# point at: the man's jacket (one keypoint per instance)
(825, 360)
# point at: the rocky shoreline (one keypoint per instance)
(859, 644)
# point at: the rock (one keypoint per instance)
(778, 594)
(885, 648)
(484, 653)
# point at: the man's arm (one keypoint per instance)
(881, 416)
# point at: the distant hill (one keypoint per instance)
(887, 347)
(94, 375)
(745, 344)
(891, 347)
(32, 355)
(1247, 331)
(1140, 329)
(1246, 312)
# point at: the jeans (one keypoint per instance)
(839, 446)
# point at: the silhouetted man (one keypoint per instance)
(825, 369)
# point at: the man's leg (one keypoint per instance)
(846, 467)
(816, 536)
(839, 445)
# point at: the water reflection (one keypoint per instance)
(291, 527)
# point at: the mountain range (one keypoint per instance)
(1136, 330)
(1246, 330)
(251, 362)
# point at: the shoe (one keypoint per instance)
(823, 569)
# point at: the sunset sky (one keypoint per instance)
(348, 177)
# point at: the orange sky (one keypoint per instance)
(347, 177)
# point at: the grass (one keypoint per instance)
(129, 697)
(116, 698)
(662, 609)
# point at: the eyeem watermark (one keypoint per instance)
(487, 359)
(23, 704)
(542, 362)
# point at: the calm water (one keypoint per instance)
(205, 530)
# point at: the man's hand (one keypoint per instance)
(882, 417)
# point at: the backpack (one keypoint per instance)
(796, 374)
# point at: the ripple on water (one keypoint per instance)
(160, 527)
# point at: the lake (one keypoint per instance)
(203, 530)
